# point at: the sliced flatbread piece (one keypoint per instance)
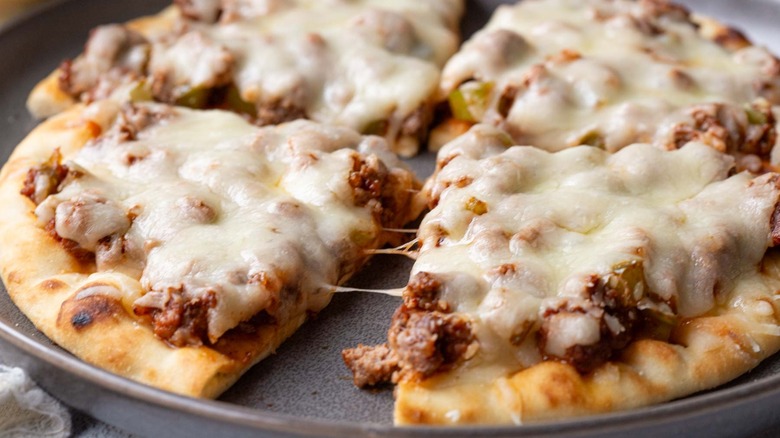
(369, 65)
(610, 73)
(178, 247)
(556, 285)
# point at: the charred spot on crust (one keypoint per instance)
(81, 313)
(81, 320)
(14, 277)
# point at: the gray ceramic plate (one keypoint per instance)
(305, 390)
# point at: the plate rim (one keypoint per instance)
(670, 413)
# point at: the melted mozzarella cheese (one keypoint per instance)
(547, 224)
(253, 215)
(352, 63)
(568, 72)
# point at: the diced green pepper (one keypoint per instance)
(141, 92)
(236, 103)
(361, 237)
(197, 98)
(625, 279)
(459, 106)
(754, 116)
(469, 101)
(377, 127)
(659, 325)
(627, 285)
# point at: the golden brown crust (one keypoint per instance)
(728, 37)
(91, 314)
(704, 352)
(48, 99)
(405, 131)
(44, 281)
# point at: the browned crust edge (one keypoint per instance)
(47, 99)
(704, 352)
(44, 280)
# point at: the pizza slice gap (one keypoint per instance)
(179, 247)
(563, 73)
(552, 285)
(372, 66)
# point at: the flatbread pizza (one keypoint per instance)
(274, 61)
(552, 285)
(602, 221)
(179, 247)
(610, 73)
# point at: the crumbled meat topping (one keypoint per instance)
(367, 178)
(371, 366)
(220, 220)
(610, 73)
(281, 60)
(572, 256)
(194, 63)
(45, 179)
(423, 293)
(736, 131)
(424, 338)
(279, 111)
(429, 342)
(180, 321)
(114, 55)
(602, 320)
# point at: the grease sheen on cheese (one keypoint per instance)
(559, 219)
(586, 68)
(221, 206)
(352, 63)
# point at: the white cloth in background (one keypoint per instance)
(26, 411)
